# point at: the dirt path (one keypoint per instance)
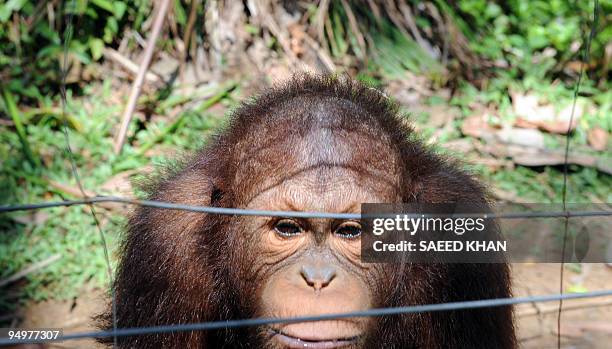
(73, 316)
(585, 323)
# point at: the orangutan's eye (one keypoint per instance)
(287, 228)
(349, 230)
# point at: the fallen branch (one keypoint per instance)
(321, 54)
(193, 12)
(266, 20)
(129, 65)
(320, 21)
(76, 192)
(532, 156)
(355, 28)
(30, 269)
(414, 30)
(137, 85)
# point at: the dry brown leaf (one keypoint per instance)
(598, 138)
(296, 40)
(165, 66)
(119, 184)
(278, 71)
(33, 217)
(476, 126)
(531, 112)
(462, 145)
(492, 163)
(411, 91)
(438, 115)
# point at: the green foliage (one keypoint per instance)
(394, 53)
(31, 46)
(390, 52)
(70, 231)
(519, 30)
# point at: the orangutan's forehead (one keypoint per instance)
(320, 158)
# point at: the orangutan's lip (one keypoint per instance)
(295, 342)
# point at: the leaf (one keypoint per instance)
(11, 109)
(598, 138)
(493, 10)
(119, 9)
(49, 51)
(577, 289)
(78, 50)
(111, 29)
(97, 48)
(91, 13)
(76, 7)
(179, 12)
(536, 36)
(31, 91)
(104, 4)
(11, 6)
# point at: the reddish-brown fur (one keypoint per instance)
(182, 267)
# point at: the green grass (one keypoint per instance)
(70, 231)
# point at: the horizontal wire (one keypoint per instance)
(173, 206)
(289, 214)
(216, 325)
(295, 214)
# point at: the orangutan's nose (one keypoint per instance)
(318, 276)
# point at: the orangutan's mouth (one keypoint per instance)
(292, 341)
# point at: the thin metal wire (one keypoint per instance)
(216, 325)
(585, 56)
(296, 214)
(290, 214)
(75, 171)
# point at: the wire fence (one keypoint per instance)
(217, 325)
(121, 332)
(291, 214)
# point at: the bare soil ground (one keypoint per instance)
(72, 316)
(586, 323)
